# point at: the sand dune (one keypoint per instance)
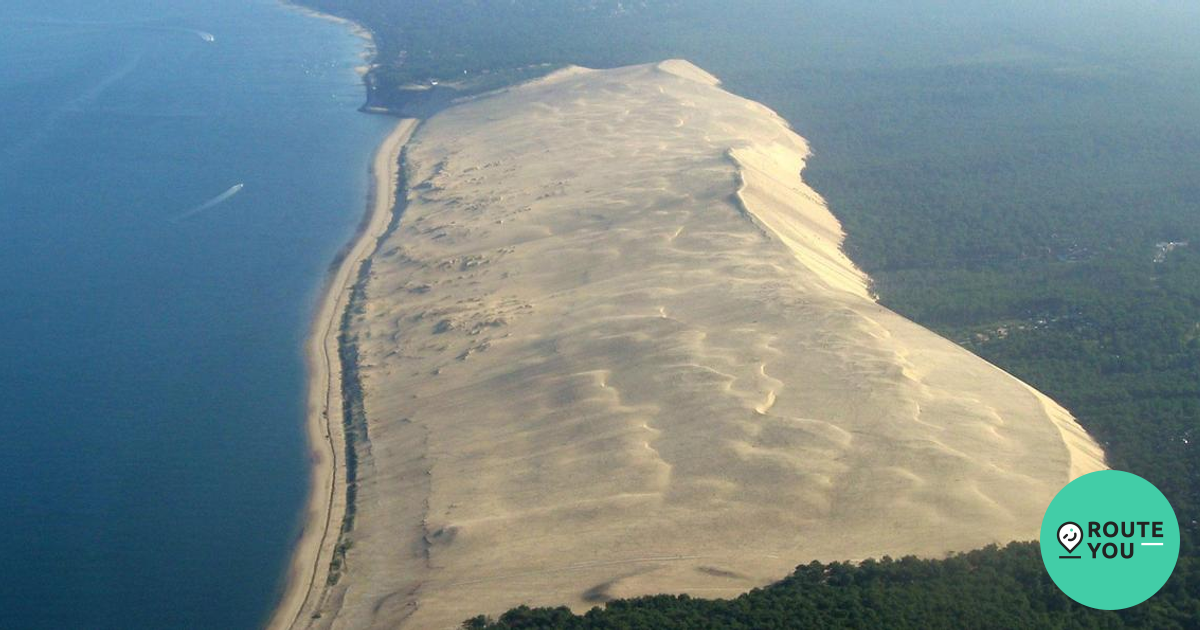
(613, 348)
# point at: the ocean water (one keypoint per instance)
(152, 313)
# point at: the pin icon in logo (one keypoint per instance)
(1069, 536)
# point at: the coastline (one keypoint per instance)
(326, 503)
(369, 52)
(356, 29)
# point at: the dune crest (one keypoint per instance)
(613, 348)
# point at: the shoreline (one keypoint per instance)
(356, 29)
(369, 53)
(326, 502)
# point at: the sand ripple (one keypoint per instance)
(614, 348)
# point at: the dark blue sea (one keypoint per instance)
(153, 312)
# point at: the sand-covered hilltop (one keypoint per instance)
(613, 348)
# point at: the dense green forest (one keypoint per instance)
(1021, 178)
(986, 588)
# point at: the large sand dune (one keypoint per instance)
(613, 348)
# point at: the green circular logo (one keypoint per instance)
(1110, 540)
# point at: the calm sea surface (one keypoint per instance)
(152, 313)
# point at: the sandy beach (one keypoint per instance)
(613, 348)
(327, 497)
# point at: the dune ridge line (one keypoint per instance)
(613, 348)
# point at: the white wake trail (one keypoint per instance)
(211, 203)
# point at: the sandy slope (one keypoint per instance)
(614, 348)
(326, 501)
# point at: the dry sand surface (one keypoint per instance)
(613, 348)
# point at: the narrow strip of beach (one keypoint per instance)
(327, 489)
